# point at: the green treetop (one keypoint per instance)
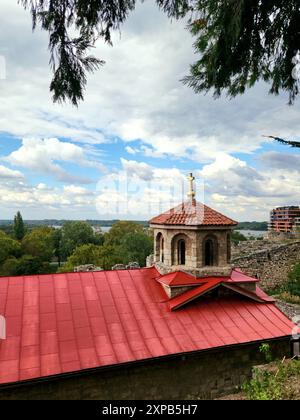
(19, 228)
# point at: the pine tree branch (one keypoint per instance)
(286, 142)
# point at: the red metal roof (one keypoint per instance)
(180, 278)
(195, 293)
(237, 276)
(72, 322)
(192, 213)
(190, 295)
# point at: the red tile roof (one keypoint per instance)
(192, 213)
(72, 322)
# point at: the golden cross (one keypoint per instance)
(191, 193)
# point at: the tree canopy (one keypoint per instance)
(8, 247)
(75, 234)
(104, 256)
(126, 242)
(120, 229)
(19, 228)
(243, 41)
(239, 41)
(39, 243)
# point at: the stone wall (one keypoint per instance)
(271, 264)
(203, 375)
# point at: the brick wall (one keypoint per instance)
(194, 376)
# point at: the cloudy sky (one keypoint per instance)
(126, 151)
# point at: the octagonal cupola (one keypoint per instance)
(194, 238)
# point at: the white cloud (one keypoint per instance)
(74, 189)
(139, 169)
(136, 95)
(6, 173)
(44, 201)
(235, 187)
(45, 156)
(130, 150)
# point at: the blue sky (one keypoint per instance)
(126, 151)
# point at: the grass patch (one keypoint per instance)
(290, 291)
(288, 297)
(279, 380)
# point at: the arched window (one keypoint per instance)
(180, 249)
(181, 252)
(159, 248)
(209, 253)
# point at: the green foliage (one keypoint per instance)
(77, 243)
(274, 382)
(119, 231)
(39, 243)
(125, 242)
(289, 291)
(288, 297)
(26, 265)
(19, 228)
(74, 27)
(293, 285)
(266, 351)
(57, 238)
(291, 143)
(136, 247)
(104, 256)
(241, 42)
(8, 247)
(237, 237)
(109, 256)
(131, 241)
(260, 226)
(84, 254)
(75, 234)
(8, 229)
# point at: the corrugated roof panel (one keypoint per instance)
(70, 322)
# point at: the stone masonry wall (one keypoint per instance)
(194, 376)
(195, 254)
(270, 264)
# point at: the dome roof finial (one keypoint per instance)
(191, 193)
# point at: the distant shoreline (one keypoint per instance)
(253, 226)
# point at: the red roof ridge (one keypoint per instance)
(193, 213)
(238, 276)
(180, 278)
(188, 296)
